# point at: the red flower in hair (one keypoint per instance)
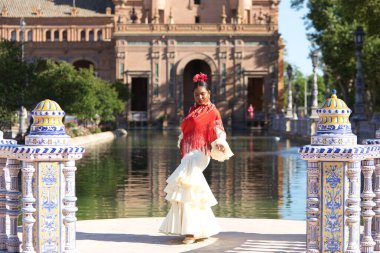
(200, 77)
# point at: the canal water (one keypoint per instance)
(125, 178)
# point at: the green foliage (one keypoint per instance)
(12, 73)
(331, 25)
(122, 90)
(13, 82)
(78, 92)
(7, 118)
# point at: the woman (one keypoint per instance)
(187, 190)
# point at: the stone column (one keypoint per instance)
(353, 207)
(3, 208)
(377, 201)
(313, 210)
(333, 185)
(369, 166)
(28, 200)
(367, 243)
(314, 103)
(5, 197)
(13, 204)
(120, 58)
(69, 208)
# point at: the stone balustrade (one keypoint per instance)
(301, 127)
(336, 168)
(47, 198)
(124, 29)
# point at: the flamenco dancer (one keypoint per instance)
(202, 136)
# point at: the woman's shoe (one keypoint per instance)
(188, 240)
(201, 239)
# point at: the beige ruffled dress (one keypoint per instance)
(189, 194)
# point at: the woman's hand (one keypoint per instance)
(220, 147)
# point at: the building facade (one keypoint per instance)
(156, 46)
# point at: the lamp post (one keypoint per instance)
(22, 37)
(327, 85)
(358, 114)
(289, 107)
(314, 104)
(305, 100)
(22, 113)
(296, 95)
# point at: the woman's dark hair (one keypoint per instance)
(201, 84)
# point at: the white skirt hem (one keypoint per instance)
(191, 199)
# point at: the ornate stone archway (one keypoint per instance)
(180, 73)
(192, 68)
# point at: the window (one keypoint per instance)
(56, 36)
(13, 36)
(238, 70)
(82, 36)
(30, 36)
(121, 70)
(64, 36)
(156, 71)
(197, 2)
(48, 36)
(100, 34)
(161, 13)
(91, 36)
(197, 19)
(233, 15)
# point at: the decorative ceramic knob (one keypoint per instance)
(47, 127)
(334, 127)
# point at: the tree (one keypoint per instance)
(78, 92)
(331, 24)
(13, 80)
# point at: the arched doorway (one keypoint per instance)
(192, 68)
(83, 64)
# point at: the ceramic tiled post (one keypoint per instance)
(333, 181)
(48, 188)
(9, 201)
(371, 198)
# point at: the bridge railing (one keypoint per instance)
(337, 167)
(47, 196)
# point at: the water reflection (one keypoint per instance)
(126, 178)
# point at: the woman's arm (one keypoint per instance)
(220, 150)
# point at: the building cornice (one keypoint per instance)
(122, 30)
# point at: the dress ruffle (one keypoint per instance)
(219, 155)
(191, 199)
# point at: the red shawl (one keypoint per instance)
(199, 128)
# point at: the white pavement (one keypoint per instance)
(140, 235)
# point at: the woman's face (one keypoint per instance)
(201, 96)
